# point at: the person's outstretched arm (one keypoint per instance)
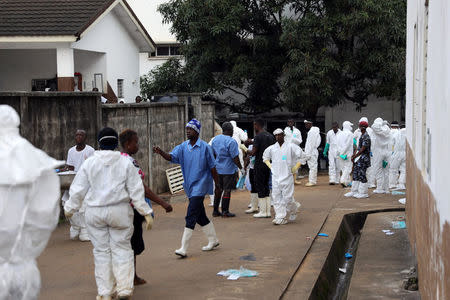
(165, 155)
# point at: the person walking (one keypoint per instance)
(284, 159)
(226, 152)
(198, 166)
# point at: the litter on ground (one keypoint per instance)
(399, 224)
(323, 234)
(402, 201)
(233, 274)
(398, 193)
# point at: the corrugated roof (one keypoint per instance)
(48, 17)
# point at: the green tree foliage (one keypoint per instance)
(169, 77)
(301, 54)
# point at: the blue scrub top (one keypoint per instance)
(225, 148)
(196, 164)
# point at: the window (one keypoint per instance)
(162, 51)
(166, 50)
(98, 82)
(174, 50)
(119, 88)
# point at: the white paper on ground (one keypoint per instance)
(343, 270)
(389, 233)
(385, 231)
(222, 273)
(233, 277)
(402, 201)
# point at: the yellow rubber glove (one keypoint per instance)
(243, 148)
(149, 220)
(67, 214)
(295, 168)
(267, 162)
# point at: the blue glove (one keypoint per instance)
(327, 146)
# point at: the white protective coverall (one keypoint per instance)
(398, 161)
(29, 208)
(312, 143)
(370, 171)
(283, 158)
(293, 135)
(107, 181)
(345, 151)
(381, 154)
(239, 136)
(333, 165)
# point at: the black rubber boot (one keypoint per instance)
(216, 212)
(226, 208)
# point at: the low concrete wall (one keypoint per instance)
(49, 121)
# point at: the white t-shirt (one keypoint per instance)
(76, 158)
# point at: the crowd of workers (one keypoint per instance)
(108, 201)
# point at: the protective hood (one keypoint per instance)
(20, 161)
(233, 123)
(314, 130)
(347, 126)
(363, 119)
(107, 157)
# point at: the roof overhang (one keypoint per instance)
(38, 39)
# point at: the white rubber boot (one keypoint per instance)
(354, 190)
(253, 204)
(187, 234)
(262, 208)
(103, 298)
(363, 191)
(268, 207)
(210, 233)
(84, 237)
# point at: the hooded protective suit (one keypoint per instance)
(344, 152)
(398, 161)
(381, 154)
(293, 135)
(239, 136)
(312, 143)
(284, 158)
(107, 181)
(29, 208)
(333, 163)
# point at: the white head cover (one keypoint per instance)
(278, 131)
(347, 125)
(306, 121)
(363, 119)
(233, 123)
(23, 162)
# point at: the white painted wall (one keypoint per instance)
(89, 63)
(19, 66)
(428, 96)
(376, 107)
(147, 64)
(121, 51)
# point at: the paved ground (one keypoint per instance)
(68, 273)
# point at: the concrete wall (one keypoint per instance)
(428, 162)
(49, 121)
(122, 53)
(19, 66)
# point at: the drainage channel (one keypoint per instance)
(332, 283)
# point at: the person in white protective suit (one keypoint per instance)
(395, 130)
(398, 161)
(361, 161)
(107, 181)
(292, 134)
(331, 151)
(284, 159)
(239, 136)
(357, 134)
(381, 154)
(344, 152)
(312, 143)
(29, 208)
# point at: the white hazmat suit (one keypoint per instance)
(107, 181)
(283, 158)
(239, 136)
(293, 135)
(29, 208)
(381, 154)
(312, 143)
(398, 161)
(345, 152)
(333, 163)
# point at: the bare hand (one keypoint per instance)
(168, 208)
(157, 150)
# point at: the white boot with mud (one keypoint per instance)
(210, 232)
(363, 191)
(354, 190)
(187, 234)
(253, 204)
(268, 207)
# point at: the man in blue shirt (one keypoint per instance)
(226, 152)
(199, 170)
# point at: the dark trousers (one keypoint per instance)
(251, 174)
(196, 213)
(262, 177)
